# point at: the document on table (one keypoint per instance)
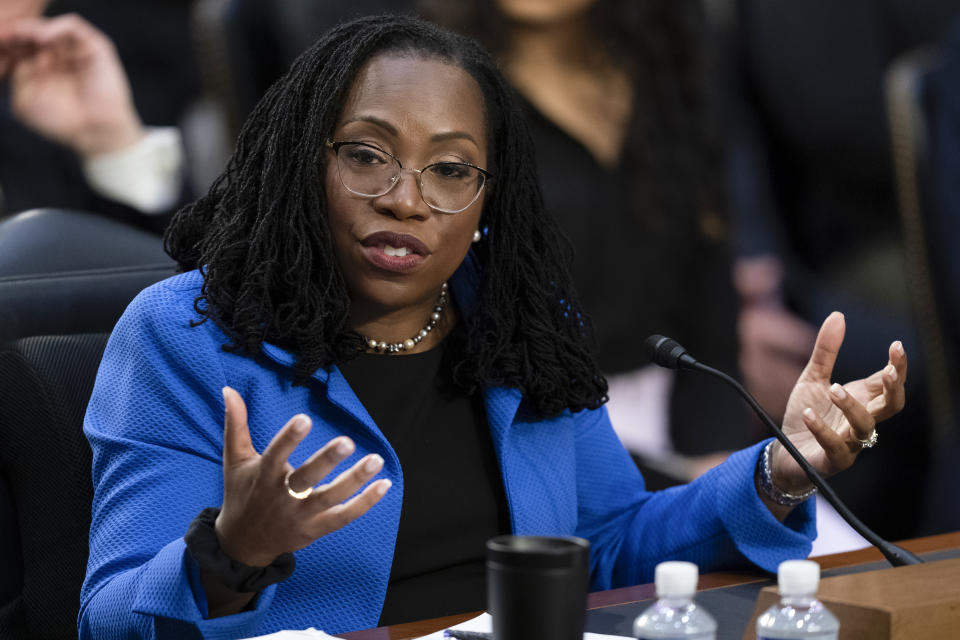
(483, 623)
(305, 634)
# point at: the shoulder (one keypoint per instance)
(168, 295)
(168, 300)
(163, 316)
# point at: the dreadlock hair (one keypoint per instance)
(261, 239)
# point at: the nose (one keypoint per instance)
(403, 200)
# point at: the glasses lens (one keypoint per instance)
(365, 170)
(451, 186)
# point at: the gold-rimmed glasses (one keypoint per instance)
(368, 171)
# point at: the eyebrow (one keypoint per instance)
(392, 130)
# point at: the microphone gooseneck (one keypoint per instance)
(668, 353)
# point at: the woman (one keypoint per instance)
(389, 160)
(615, 95)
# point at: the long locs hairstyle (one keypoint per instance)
(261, 239)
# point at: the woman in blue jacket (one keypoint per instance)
(376, 300)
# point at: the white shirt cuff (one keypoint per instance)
(147, 176)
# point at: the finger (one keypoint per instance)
(321, 463)
(341, 515)
(874, 384)
(20, 30)
(898, 358)
(893, 398)
(861, 420)
(237, 445)
(826, 348)
(348, 482)
(284, 442)
(833, 445)
(68, 28)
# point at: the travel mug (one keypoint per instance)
(537, 587)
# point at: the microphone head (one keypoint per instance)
(665, 352)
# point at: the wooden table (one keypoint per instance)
(638, 593)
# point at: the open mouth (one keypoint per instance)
(396, 244)
(396, 252)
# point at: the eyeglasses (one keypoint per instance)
(448, 187)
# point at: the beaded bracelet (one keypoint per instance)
(204, 547)
(771, 490)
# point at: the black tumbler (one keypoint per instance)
(537, 587)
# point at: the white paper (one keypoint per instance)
(305, 634)
(484, 623)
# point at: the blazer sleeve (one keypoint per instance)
(154, 423)
(715, 521)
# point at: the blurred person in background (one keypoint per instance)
(71, 131)
(817, 227)
(615, 93)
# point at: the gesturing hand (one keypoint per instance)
(828, 423)
(68, 84)
(259, 518)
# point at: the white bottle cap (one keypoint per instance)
(676, 579)
(798, 578)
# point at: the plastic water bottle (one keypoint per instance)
(674, 614)
(799, 614)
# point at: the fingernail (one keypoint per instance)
(898, 346)
(891, 371)
(373, 463)
(809, 414)
(344, 447)
(300, 424)
(837, 391)
(383, 486)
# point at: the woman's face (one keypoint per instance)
(421, 111)
(543, 12)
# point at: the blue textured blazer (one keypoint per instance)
(155, 423)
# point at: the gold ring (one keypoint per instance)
(299, 495)
(869, 442)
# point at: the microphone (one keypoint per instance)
(668, 353)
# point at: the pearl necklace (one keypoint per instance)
(381, 346)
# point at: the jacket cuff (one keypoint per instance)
(167, 591)
(758, 535)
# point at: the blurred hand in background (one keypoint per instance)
(68, 84)
(774, 343)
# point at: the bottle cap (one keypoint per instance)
(798, 577)
(676, 579)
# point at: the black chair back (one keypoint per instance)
(45, 383)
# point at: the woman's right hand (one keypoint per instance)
(259, 518)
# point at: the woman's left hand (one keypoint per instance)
(828, 422)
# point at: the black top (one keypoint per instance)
(453, 496)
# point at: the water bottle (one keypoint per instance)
(674, 614)
(799, 614)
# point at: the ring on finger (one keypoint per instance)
(868, 442)
(299, 495)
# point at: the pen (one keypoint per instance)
(467, 635)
